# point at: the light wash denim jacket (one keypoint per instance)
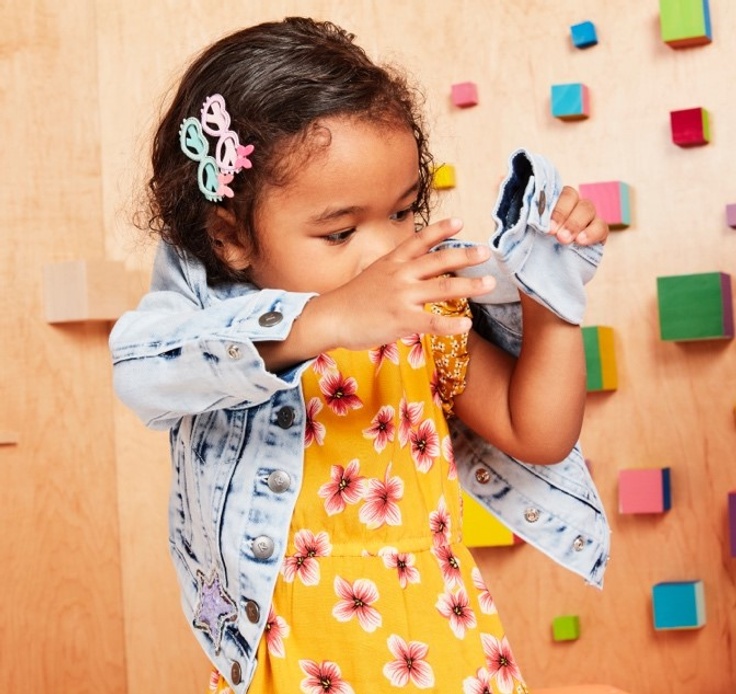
(185, 360)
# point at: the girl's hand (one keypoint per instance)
(387, 300)
(574, 219)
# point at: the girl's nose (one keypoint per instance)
(379, 243)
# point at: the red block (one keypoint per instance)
(690, 127)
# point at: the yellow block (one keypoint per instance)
(443, 177)
(483, 529)
(608, 358)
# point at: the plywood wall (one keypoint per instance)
(91, 602)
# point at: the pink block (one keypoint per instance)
(731, 215)
(611, 200)
(644, 490)
(465, 94)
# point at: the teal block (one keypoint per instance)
(583, 35)
(678, 605)
(695, 307)
(570, 101)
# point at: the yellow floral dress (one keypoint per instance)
(376, 592)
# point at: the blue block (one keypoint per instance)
(583, 34)
(570, 101)
(678, 605)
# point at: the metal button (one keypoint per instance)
(233, 351)
(263, 547)
(252, 611)
(279, 481)
(542, 202)
(482, 475)
(236, 673)
(578, 543)
(532, 515)
(268, 320)
(285, 417)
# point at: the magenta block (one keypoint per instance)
(731, 215)
(465, 94)
(690, 127)
(645, 490)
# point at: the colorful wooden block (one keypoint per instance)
(731, 215)
(600, 358)
(695, 307)
(465, 94)
(612, 200)
(443, 177)
(570, 101)
(84, 290)
(685, 23)
(566, 628)
(690, 127)
(583, 35)
(678, 605)
(732, 521)
(644, 490)
(482, 529)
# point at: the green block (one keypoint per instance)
(695, 307)
(566, 628)
(685, 22)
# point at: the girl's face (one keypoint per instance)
(349, 204)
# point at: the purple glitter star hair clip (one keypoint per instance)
(216, 170)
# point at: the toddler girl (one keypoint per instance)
(308, 343)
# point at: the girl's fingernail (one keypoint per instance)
(456, 223)
(582, 238)
(564, 235)
(553, 226)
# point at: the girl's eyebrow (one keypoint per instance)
(330, 214)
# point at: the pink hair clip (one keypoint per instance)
(215, 172)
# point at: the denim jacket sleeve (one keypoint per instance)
(188, 348)
(555, 508)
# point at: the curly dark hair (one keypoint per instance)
(278, 79)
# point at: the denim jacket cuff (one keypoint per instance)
(551, 273)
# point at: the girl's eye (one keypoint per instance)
(339, 237)
(401, 215)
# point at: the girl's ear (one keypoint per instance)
(223, 230)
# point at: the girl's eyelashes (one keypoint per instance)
(339, 237)
(401, 215)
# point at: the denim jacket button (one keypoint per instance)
(285, 417)
(263, 547)
(542, 202)
(268, 320)
(578, 543)
(531, 515)
(252, 611)
(236, 673)
(482, 475)
(279, 481)
(233, 351)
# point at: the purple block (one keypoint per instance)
(731, 215)
(732, 521)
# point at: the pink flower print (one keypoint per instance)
(449, 454)
(323, 363)
(410, 664)
(303, 563)
(416, 350)
(449, 565)
(323, 678)
(501, 664)
(403, 562)
(345, 487)
(381, 501)
(440, 523)
(379, 354)
(340, 392)
(409, 415)
(434, 389)
(276, 631)
(480, 684)
(456, 608)
(425, 445)
(357, 600)
(382, 428)
(314, 431)
(487, 604)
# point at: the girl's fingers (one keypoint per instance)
(448, 287)
(562, 209)
(450, 260)
(426, 238)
